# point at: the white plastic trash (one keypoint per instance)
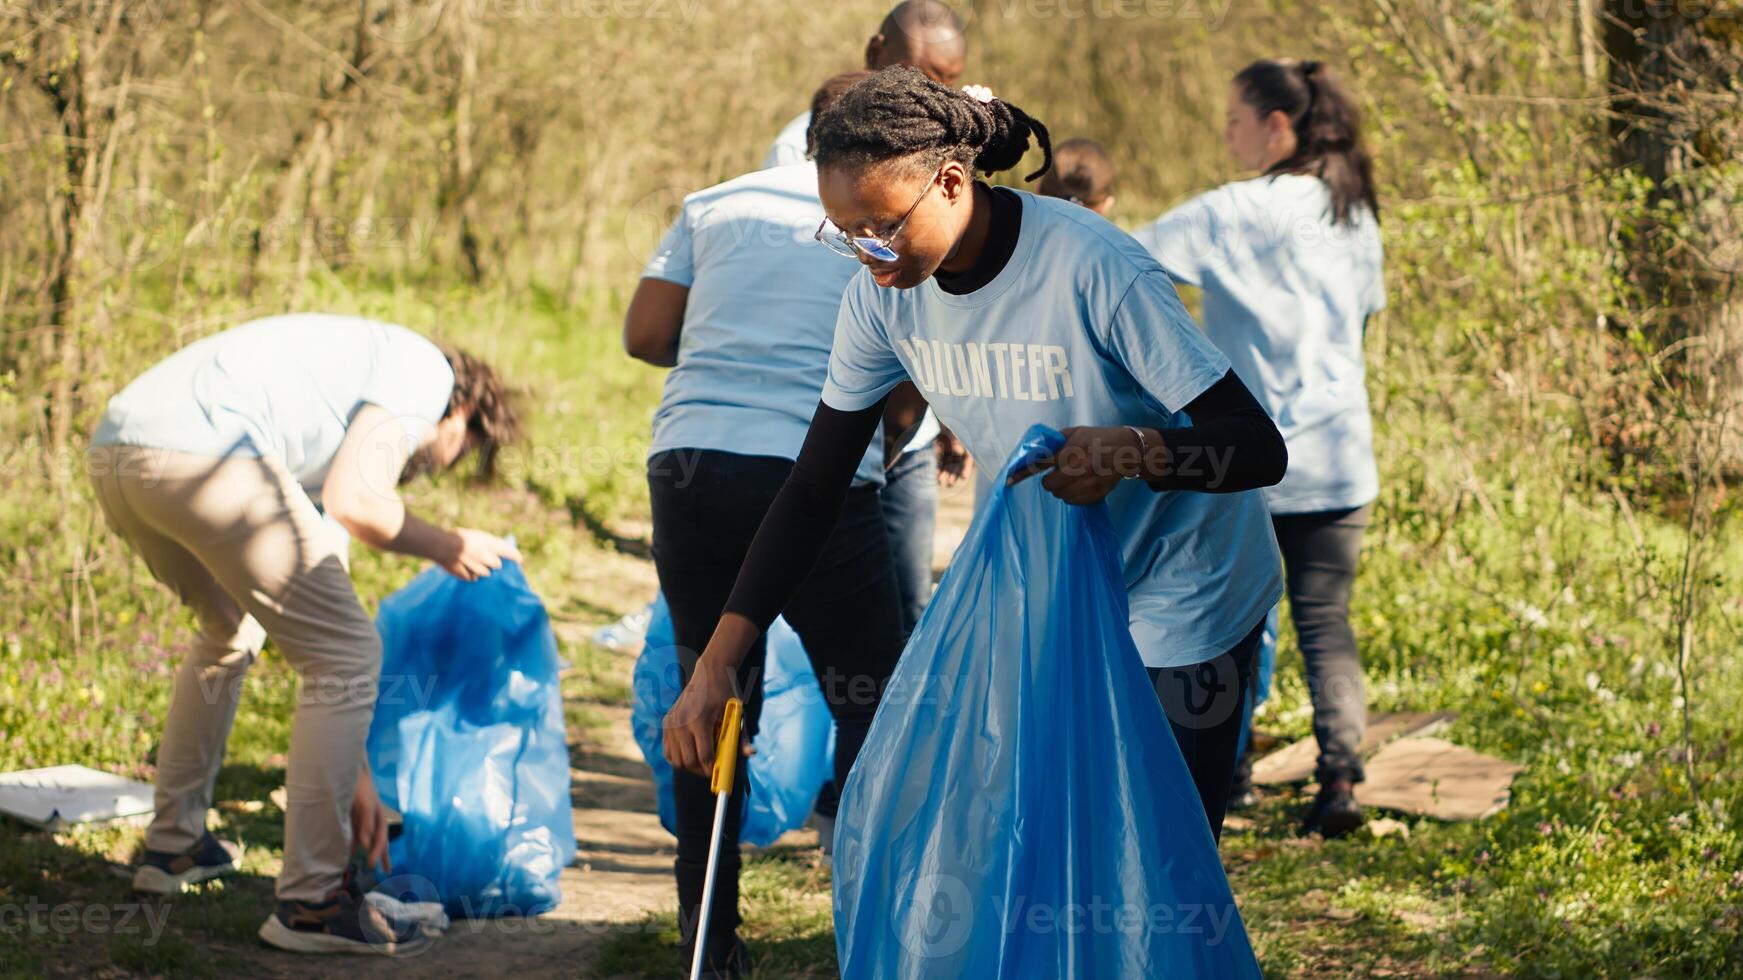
(61, 795)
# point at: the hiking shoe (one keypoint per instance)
(344, 923)
(1335, 811)
(168, 873)
(716, 965)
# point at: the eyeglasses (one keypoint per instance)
(853, 246)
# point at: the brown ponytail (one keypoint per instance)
(1327, 128)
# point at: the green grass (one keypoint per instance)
(1498, 582)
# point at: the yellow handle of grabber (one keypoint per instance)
(726, 747)
(720, 782)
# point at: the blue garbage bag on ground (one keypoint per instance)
(1021, 808)
(794, 742)
(468, 744)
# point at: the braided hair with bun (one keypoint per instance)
(898, 112)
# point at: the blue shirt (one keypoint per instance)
(284, 386)
(789, 148)
(789, 145)
(764, 293)
(1286, 294)
(1081, 327)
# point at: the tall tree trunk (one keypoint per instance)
(1677, 122)
(457, 200)
(1676, 119)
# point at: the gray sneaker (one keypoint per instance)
(168, 873)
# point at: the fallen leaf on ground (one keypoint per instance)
(1421, 920)
(1386, 826)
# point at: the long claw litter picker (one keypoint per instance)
(725, 771)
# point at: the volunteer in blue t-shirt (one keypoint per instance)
(238, 469)
(1006, 310)
(1290, 266)
(741, 303)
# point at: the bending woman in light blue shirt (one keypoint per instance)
(1290, 263)
(1008, 310)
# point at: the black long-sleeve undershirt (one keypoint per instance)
(1232, 445)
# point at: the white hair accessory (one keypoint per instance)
(979, 93)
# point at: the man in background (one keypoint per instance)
(922, 34)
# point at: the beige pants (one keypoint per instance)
(242, 545)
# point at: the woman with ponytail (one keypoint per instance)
(1006, 310)
(1290, 266)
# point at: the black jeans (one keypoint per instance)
(1319, 563)
(707, 507)
(1203, 703)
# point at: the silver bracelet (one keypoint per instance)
(1143, 452)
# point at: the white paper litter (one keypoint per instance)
(60, 795)
(428, 915)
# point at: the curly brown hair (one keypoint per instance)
(492, 416)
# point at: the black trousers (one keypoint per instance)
(707, 506)
(1203, 703)
(1320, 553)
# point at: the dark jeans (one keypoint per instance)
(846, 613)
(1320, 552)
(910, 502)
(1204, 707)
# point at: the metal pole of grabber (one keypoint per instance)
(720, 781)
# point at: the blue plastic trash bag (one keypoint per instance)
(795, 739)
(1020, 808)
(468, 744)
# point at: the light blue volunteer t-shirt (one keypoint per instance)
(284, 387)
(763, 299)
(1286, 294)
(788, 149)
(789, 145)
(1081, 327)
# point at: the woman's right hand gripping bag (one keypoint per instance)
(1020, 808)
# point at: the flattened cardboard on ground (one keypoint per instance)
(1295, 763)
(61, 795)
(1436, 778)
